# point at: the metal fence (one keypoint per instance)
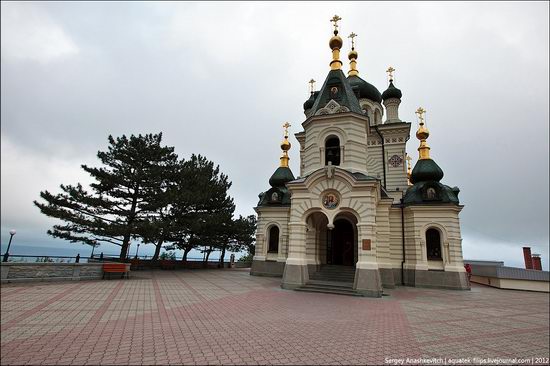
(138, 262)
(44, 258)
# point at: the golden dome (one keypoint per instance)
(335, 42)
(352, 55)
(285, 145)
(422, 133)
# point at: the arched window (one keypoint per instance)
(433, 244)
(377, 117)
(273, 240)
(332, 151)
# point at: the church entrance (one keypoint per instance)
(341, 243)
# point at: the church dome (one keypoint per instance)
(335, 42)
(366, 90)
(309, 103)
(426, 170)
(391, 92)
(281, 176)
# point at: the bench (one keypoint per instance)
(116, 268)
(136, 264)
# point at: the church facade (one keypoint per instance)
(356, 220)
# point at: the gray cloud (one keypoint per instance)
(220, 78)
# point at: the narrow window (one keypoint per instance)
(273, 240)
(332, 151)
(377, 118)
(433, 244)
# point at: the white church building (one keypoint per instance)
(356, 219)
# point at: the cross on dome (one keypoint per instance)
(420, 112)
(311, 86)
(390, 71)
(352, 36)
(335, 20)
(286, 126)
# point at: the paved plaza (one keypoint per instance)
(230, 317)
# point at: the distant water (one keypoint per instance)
(85, 252)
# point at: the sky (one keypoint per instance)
(220, 78)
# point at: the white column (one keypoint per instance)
(392, 107)
(297, 244)
(367, 258)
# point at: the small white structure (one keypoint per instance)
(357, 219)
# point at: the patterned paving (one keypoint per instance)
(229, 317)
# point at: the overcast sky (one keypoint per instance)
(220, 79)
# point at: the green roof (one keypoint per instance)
(392, 92)
(344, 94)
(426, 170)
(365, 89)
(278, 194)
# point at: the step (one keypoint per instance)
(337, 273)
(328, 291)
(333, 279)
(335, 284)
(325, 275)
(337, 269)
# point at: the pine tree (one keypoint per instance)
(128, 189)
(238, 235)
(201, 205)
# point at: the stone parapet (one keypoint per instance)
(31, 272)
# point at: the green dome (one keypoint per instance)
(366, 90)
(426, 170)
(391, 92)
(281, 176)
(431, 193)
(309, 103)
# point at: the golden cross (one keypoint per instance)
(335, 20)
(311, 82)
(409, 159)
(286, 126)
(390, 71)
(352, 36)
(420, 111)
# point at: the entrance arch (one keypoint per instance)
(342, 241)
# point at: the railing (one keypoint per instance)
(44, 258)
(139, 262)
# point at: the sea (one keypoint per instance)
(39, 252)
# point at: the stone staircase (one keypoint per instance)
(331, 279)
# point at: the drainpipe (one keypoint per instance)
(383, 154)
(403, 242)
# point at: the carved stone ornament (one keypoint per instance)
(332, 107)
(330, 170)
(395, 161)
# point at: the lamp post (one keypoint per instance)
(94, 244)
(137, 250)
(12, 233)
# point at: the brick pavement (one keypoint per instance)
(229, 317)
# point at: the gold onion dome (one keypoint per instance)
(336, 41)
(283, 174)
(285, 145)
(352, 55)
(425, 169)
(422, 133)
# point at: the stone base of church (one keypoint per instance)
(437, 279)
(294, 276)
(368, 282)
(267, 268)
(387, 276)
